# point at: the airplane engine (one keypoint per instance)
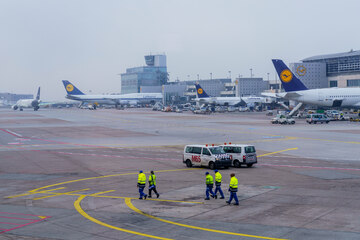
(15, 107)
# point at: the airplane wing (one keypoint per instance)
(268, 94)
(292, 95)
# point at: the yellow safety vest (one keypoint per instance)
(152, 179)
(141, 178)
(209, 179)
(218, 177)
(233, 183)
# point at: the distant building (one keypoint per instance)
(342, 69)
(186, 90)
(251, 86)
(312, 74)
(10, 98)
(148, 78)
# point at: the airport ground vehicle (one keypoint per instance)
(317, 118)
(282, 119)
(206, 156)
(241, 154)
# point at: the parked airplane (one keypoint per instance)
(203, 98)
(28, 103)
(326, 97)
(74, 93)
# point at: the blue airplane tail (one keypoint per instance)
(38, 94)
(289, 81)
(71, 89)
(200, 92)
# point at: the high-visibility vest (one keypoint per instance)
(209, 180)
(142, 179)
(233, 183)
(152, 179)
(218, 177)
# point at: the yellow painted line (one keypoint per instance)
(131, 206)
(99, 193)
(19, 195)
(106, 176)
(118, 197)
(42, 217)
(271, 153)
(57, 194)
(87, 216)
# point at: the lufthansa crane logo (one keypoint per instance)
(69, 87)
(286, 75)
(200, 91)
(301, 70)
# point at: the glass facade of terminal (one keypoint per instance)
(134, 78)
(338, 65)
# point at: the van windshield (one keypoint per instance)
(250, 149)
(216, 150)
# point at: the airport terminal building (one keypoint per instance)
(340, 70)
(145, 79)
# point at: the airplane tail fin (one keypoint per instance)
(200, 92)
(71, 89)
(38, 94)
(289, 81)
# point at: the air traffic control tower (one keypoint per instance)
(149, 78)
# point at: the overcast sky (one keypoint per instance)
(90, 42)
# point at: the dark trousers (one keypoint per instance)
(233, 195)
(209, 190)
(218, 188)
(141, 191)
(152, 188)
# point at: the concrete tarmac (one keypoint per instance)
(72, 174)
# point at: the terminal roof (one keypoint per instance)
(351, 53)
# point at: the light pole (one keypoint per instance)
(251, 75)
(210, 76)
(268, 76)
(198, 77)
(230, 74)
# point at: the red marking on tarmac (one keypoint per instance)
(19, 225)
(52, 141)
(311, 167)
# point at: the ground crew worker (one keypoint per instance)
(141, 184)
(233, 187)
(218, 179)
(209, 186)
(152, 184)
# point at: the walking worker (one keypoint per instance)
(233, 188)
(209, 186)
(218, 179)
(152, 184)
(141, 184)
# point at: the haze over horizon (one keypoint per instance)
(90, 42)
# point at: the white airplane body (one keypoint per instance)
(123, 99)
(325, 97)
(28, 103)
(202, 97)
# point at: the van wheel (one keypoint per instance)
(327, 122)
(212, 165)
(314, 122)
(188, 163)
(237, 163)
(249, 165)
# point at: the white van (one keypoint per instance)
(241, 154)
(204, 155)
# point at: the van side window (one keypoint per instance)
(237, 150)
(228, 149)
(206, 152)
(196, 150)
(250, 149)
(188, 149)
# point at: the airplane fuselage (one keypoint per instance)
(327, 97)
(131, 98)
